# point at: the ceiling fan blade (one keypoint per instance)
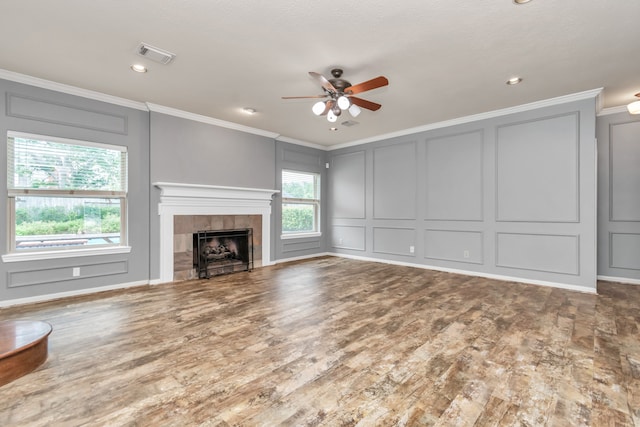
(365, 104)
(368, 85)
(326, 84)
(304, 97)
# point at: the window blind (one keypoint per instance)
(61, 166)
(299, 185)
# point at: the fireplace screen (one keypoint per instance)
(218, 252)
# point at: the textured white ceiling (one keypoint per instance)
(444, 59)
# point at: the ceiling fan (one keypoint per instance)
(340, 94)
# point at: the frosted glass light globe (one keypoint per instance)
(343, 102)
(634, 107)
(318, 108)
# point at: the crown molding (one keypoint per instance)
(147, 106)
(589, 94)
(303, 143)
(144, 106)
(70, 90)
(209, 120)
(613, 110)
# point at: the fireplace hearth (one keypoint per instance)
(217, 252)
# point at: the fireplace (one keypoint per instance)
(218, 252)
(208, 207)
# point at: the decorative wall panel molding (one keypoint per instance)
(61, 114)
(454, 245)
(45, 276)
(394, 241)
(301, 157)
(454, 173)
(624, 172)
(348, 237)
(347, 187)
(298, 246)
(537, 170)
(550, 253)
(395, 177)
(625, 250)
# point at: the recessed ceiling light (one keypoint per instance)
(249, 110)
(139, 68)
(521, 1)
(514, 81)
(333, 129)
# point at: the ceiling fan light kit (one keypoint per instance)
(318, 108)
(344, 103)
(340, 93)
(354, 110)
(634, 107)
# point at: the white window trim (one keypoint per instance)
(64, 253)
(36, 255)
(300, 235)
(316, 202)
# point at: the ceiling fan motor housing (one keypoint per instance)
(337, 82)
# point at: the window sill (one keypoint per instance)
(299, 235)
(65, 253)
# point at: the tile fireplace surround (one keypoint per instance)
(209, 205)
(184, 226)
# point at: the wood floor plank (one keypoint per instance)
(335, 342)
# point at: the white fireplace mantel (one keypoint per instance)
(197, 199)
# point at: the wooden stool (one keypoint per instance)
(23, 347)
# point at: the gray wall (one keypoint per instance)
(34, 110)
(619, 196)
(192, 152)
(512, 196)
(302, 159)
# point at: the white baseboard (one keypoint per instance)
(299, 258)
(475, 273)
(49, 297)
(624, 280)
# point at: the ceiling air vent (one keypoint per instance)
(155, 54)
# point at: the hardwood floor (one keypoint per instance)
(335, 342)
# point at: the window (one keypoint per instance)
(300, 203)
(65, 194)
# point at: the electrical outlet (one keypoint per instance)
(340, 240)
(465, 254)
(76, 271)
(412, 249)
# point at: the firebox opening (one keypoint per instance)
(219, 252)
